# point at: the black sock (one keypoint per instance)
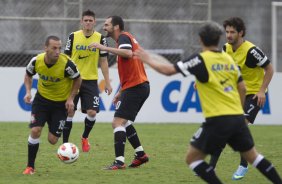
(133, 138)
(32, 151)
(243, 162)
(119, 143)
(88, 127)
(206, 172)
(214, 158)
(268, 170)
(66, 131)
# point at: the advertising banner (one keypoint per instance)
(172, 99)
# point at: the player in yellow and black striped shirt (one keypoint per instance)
(222, 92)
(256, 71)
(87, 60)
(58, 84)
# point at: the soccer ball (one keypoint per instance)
(68, 153)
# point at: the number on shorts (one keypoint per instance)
(96, 101)
(62, 124)
(251, 108)
(198, 133)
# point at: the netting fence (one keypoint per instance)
(166, 27)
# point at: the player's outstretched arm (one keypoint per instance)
(165, 68)
(126, 53)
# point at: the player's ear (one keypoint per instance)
(241, 33)
(116, 27)
(45, 48)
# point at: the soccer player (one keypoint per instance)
(58, 83)
(257, 73)
(222, 92)
(133, 93)
(87, 60)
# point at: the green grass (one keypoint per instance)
(166, 145)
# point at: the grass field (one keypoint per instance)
(166, 145)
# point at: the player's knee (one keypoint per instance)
(250, 155)
(36, 132)
(187, 160)
(52, 140)
(194, 154)
(189, 157)
(91, 113)
(118, 122)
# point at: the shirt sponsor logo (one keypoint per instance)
(225, 67)
(84, 47)
(82, 57)
(257, 55)
(191, 63)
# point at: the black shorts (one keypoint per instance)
(131, 101)
(216, 132)
(88, 95)
(251, 108)
(44, 110)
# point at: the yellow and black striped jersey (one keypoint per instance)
(55, 81)
(217, 77)
(85, 58)
(251, 61)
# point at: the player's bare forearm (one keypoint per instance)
(27, 83)
(105, 70)
(164, 68)
(267, 77)
(75, 87)
(74, 90)
(126, 53)
(242, 92)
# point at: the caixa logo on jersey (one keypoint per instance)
(190, 100)
(27, 107)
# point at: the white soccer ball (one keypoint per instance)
(68, 153)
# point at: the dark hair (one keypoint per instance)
(117, 20)
(52, 37)
(88, 13)
(210, 33)
(237, 23)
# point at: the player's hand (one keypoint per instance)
(260, 98)
(97, 46)
(27, 98)
(142, 54)
(195, 86)
(116, 98)
(69, 105)
(108, 89)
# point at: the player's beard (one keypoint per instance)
(232, 41)
(108, 34)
